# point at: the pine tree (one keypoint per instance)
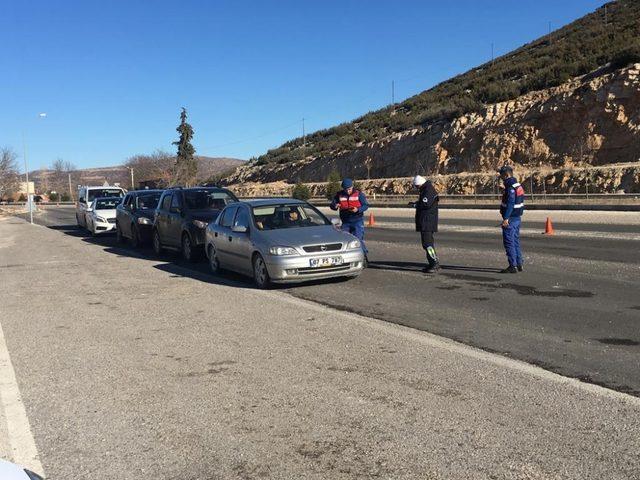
(333, 184)
(186, 165)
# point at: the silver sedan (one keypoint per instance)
(281, 240)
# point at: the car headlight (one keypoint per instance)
(100, 219)
(144, 221)
(283, 251)
(200, 224)
(354, 244)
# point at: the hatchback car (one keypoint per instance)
(86, 195)
(134, 216)
(281, 241)
(100, 216)
(182, 217)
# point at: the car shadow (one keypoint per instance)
(169, 262)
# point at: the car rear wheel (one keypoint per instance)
(135, 237)
(189, 250)
(260, 273)
(214, 262)
(157, 244)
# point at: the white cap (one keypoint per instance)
(418, 181)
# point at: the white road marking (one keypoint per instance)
(21, 445)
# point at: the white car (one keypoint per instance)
(100, 216)
(86, 195)
(11, 471)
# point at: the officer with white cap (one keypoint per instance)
(427, 220)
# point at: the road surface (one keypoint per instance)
(574, 311)
(128, 367)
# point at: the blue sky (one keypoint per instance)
(112, 75)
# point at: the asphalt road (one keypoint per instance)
(574, 311)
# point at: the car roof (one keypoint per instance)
(150, 190)
(110, 187)
(263, 202)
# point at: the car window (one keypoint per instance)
(275, 217)
(105, 192)
(242, 218)
(127, 200)
(148, 201)
(166, 201)
(175, 201)
(106, 203)
(207, 199)
(227, 216)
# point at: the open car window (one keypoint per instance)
(275, 217)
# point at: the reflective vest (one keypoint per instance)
(349, 201)
(518, 206)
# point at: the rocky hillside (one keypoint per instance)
(593, 120)
(576, 122)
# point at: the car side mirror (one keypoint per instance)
(239, 229)
(89, 209)
(336, 222)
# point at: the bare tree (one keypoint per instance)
(9, 175)
(60, 175)
(157, 167)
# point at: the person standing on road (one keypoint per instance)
(427, 220)
(352, 204)
(511, 210)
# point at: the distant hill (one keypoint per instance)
(48, 179)
(609, 37)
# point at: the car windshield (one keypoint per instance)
(275, 217)
(105, 192)
(207, 199)
(148, 201)
(107, 203)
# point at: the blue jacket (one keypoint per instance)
(345, 215)
(512, 199)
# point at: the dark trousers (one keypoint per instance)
(511, 241)
(428, 243)
(357, 230)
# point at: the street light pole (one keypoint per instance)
(132, 182)
(26, 173)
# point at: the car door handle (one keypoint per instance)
(230, 238)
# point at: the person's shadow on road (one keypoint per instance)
(418, 266)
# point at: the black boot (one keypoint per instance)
(520, 268)
(509, 269)
(432, 268)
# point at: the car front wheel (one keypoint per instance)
(214, 262)
(260, 273)
(157, 244)
(119, 236)
(135, 237)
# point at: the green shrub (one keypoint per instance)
(301, 192)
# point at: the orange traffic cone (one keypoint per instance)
(372, 220)
(548, 228)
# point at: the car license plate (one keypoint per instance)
(325, 262)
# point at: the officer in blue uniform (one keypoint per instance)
(511, 210)
(352, 204)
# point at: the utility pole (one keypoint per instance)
(26, 174)
(304, 135)
(549, 35)
(132, 182)
(393, 92)
(491, 53)
(70, 190)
